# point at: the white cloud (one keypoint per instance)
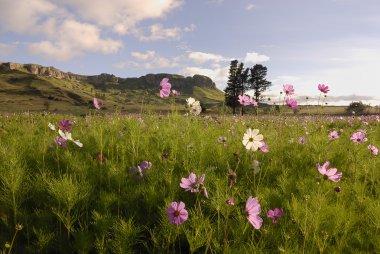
(143, 56)
(73, 38)
(218, 75)
(158, 32)
(250, 7)
(201, 57)
(6, 49)
(254, 58)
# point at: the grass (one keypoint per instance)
(69, 201)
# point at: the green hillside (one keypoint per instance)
(22, 91)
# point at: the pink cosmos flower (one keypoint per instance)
(141, 169)
(292, 103)
(331, 174)
(165, 88)
(97, 104)
(253, 102)
(191, 183)
(275, 214)
(175, 92)
(264, 148)
(176, 213)
(253, 209)
(333, 135)
(302, 140)
(358, 137)
(373, 149)
(230, 201)
(64, 125)
(244, 100)
(60, 141)
(323, 88)
(288, 89)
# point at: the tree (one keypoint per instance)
(236, 84)
(257, 81)
(356, 108)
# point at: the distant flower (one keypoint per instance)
(230, 201)
(60, 141)
(252, 139)
(97, 104)
(244, 100)
(333, 135)
(51, 126)
(288, 89)
(254, 102)
(222, 140)
(67, 136)
(373, 149)
(292, 103)
(264, 147)
(141, 169)
(358, 137)
(302, 140)
(191, 183)
(274, 215)
(165, 88)
(176, 93)
(323, 88)
(331, 174)
(65, 125)
(176, 213)
(253, 209)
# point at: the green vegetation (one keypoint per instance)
(70, 201)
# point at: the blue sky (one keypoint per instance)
(302, 42)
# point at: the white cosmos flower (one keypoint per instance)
(67, 136)
(252, 139)
(195, 106)
(51, 126)
(190, 101)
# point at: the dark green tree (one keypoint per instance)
(235, 85)
(257, 81)
(356, 108)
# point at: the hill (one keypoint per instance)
(35, 88)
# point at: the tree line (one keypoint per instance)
(241, 80)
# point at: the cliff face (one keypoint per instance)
(144, 82)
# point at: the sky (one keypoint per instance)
(301, 42)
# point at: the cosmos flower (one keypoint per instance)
(275, 214)
(292, 103)
(358, 137)
(373, 149)
(165, 88)
(230, 201)
(332, 174)
(67, 136)
(141, 169)
(191, 183)
(253, 209)
(60, 141)
(51, 126)
(244, 100)
(253, 102)
(97, 104)
(333, 135)
(64, 125)
(175, 92)
(195, 106)
(323, 88)
(264, 147)
(177, 213)
(302, 140)
(252, 139)
(288, 89)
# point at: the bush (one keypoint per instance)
(356, 108)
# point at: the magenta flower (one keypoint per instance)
(302, 140)
(358, 137)
(60, 141)
(288, 89)
(191, 183)
(230, 201)
(373, 149)
(332, 174)
(165, 88)
(264, 148)
(253, 209)
(97, 104)
(323, 88)
(333, 135)
(253, 102)
(64, 125)
(176, 213)
(292, 103)
(244, 100)
(141, 169)
(275, 214)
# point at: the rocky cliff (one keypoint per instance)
(103, 80)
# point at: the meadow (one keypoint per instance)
(113, 191)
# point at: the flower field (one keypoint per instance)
(189, 184)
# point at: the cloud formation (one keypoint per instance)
(255, 58)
